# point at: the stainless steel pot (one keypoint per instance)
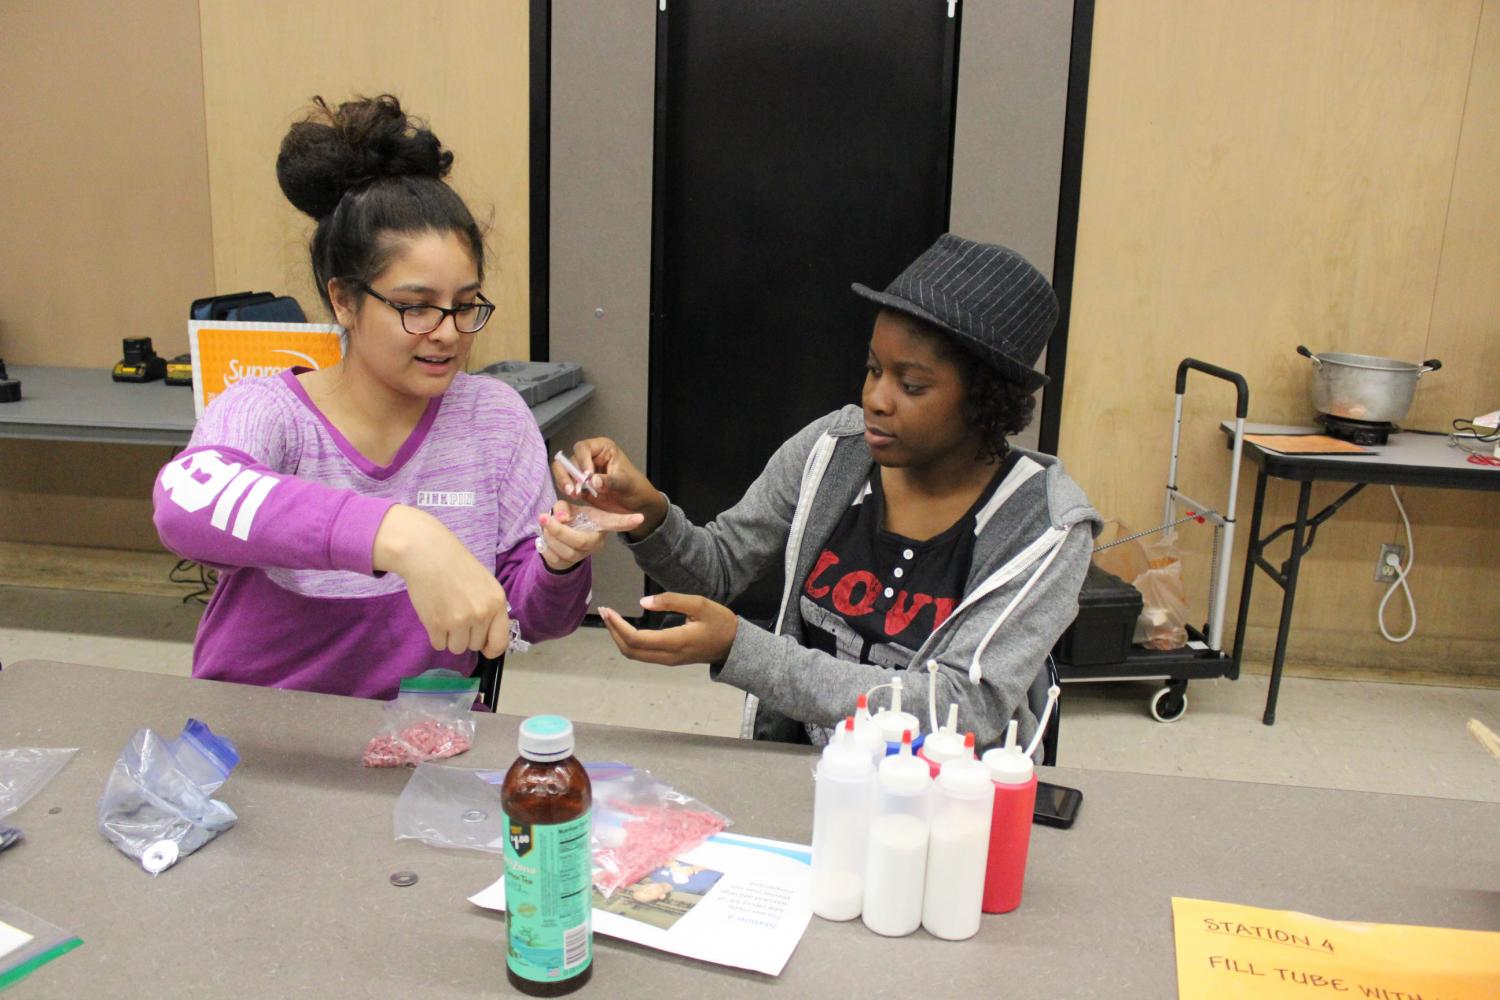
(1362, 387)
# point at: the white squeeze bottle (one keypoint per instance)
(958, 847)
(896, 865)
(947, 743)
(866, 733)
(843, 800)
(892, 721)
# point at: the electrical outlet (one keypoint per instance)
(1383, 572)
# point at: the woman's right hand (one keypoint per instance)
(621, 487)
(457, 599)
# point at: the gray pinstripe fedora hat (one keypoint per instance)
(987, 296)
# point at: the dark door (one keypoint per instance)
(800, 145)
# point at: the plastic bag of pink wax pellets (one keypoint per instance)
(428, 720)
(641, 824)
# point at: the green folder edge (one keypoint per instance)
(29, 966)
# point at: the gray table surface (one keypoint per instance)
(85, 404)
(296, 900)
(1408, 458)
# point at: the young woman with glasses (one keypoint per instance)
(389, 514)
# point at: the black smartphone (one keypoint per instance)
(1056, 805)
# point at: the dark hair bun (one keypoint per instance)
(333, 151)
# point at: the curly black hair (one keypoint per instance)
(367, 171)
(996, 407)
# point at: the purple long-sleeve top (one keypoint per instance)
(271, 494)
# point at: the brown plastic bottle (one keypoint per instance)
(548, 870)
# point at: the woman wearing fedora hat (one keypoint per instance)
(909, 528)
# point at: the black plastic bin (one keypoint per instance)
(1107, 610)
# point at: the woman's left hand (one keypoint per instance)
(706, 638)
(564, 545)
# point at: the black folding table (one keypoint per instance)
(1407, 459)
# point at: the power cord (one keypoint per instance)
(191, 573)
(1394, 562)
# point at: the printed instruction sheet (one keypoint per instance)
(1230, 952)
(732, 900)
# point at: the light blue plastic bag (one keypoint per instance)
(156, 806)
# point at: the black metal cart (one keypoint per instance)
(1203, 656)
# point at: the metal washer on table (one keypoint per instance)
(403, 879)
(159, 856)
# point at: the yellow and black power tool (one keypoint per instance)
(180, 370)
(140, 363)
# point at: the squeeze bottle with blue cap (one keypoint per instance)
(892, 722)
(548, 864)
(958, 848)
(843, 799)
(1014, 777)
(946, 744)
(896, 865)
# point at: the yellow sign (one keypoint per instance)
(1231, 952)
(225, 352)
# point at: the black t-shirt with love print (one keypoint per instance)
(874, 596)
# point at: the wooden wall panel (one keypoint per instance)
(1262, 175)
(461, 64)
(1465, 329)
(104, 179)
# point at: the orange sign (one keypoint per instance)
(225, 352)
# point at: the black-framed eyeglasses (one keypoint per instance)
(420, 319)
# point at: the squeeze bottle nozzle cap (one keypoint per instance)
(843, 759)
(945, 744)
(903, 774)
(1009, 764)
(893, 722)
(965, 778)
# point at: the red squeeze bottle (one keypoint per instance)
(1010, 825)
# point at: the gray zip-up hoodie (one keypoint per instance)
(1035, 539)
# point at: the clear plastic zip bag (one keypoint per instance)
(157, 805)
(27, 942)
(430, 718)
(459, 807)
(641, 823)
(24, 771)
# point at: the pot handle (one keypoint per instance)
(1430, 365)
(1311, 356)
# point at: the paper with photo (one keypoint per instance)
(11, 938)
(732, 900)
